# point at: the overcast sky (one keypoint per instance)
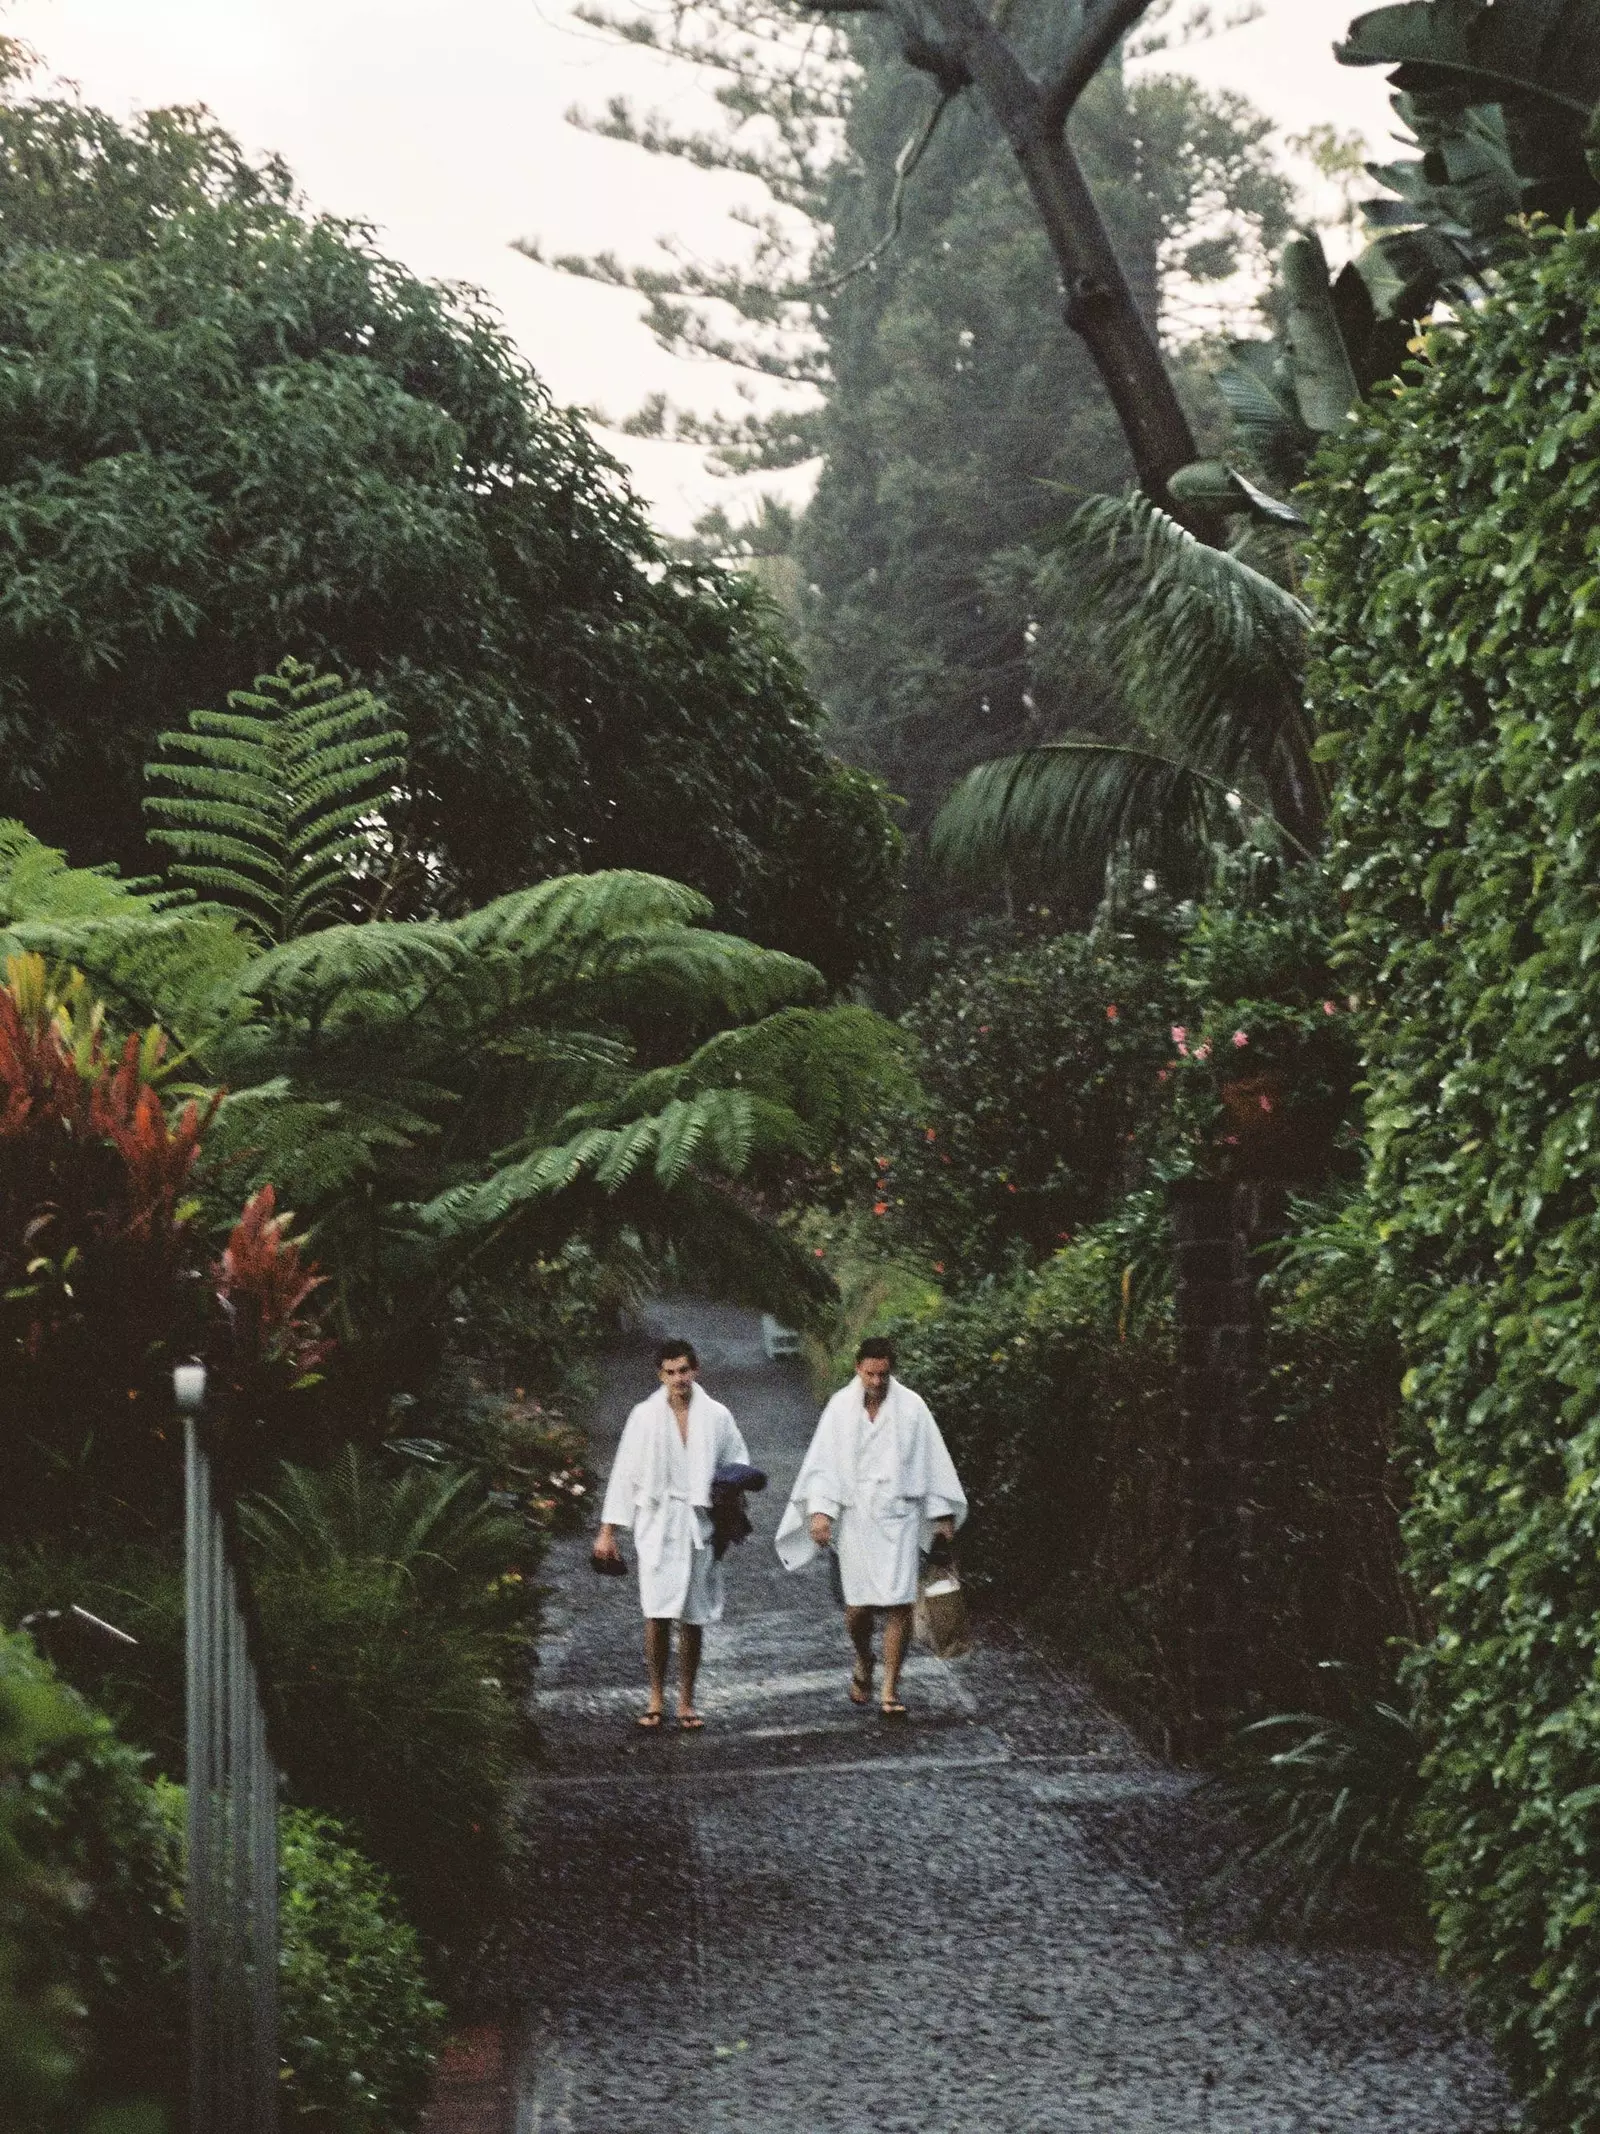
(441, 121)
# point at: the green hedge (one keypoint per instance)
(91, 1873)
(1454, 570)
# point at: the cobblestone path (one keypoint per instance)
(806, 1921)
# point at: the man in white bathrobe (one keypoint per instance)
(877, 1485)
(660, 1486)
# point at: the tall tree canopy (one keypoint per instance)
(906, 274)
(961, 422)
(229, 425)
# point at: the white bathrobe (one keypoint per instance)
(883, 1481)
(661, 1488)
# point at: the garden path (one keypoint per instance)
(969, 1923)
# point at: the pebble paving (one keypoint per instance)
(973, 1922)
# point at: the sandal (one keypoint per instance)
(690, 1722)
(860, 1691)
(649, 1722)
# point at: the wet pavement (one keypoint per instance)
(971, 1922)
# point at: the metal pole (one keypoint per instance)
(232, 1880)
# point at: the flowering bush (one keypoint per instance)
(1264, 1058)
(1039, 1068)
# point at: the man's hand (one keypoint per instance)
(605, 1545)
(821, 1529)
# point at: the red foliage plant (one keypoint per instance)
(262, 1281)
(97, 1231)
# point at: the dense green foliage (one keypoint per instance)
(1454, 573)
(41, 2025)
(397, 1623)
(1036, 1067)
(100, 1902)
(231, 426)
(430, 1093)
(358, 2028)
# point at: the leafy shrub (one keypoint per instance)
(100, 1916)
(1265, 1055)
(358, 2029)
(105, 1271)
(1037, 1066)
(91, 1874)
(41, 2039)
(1331, 1804)
(1056, 1390)
(1454, 564)
(397, 1609)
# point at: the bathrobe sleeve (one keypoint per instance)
(820, 1486)
(623, 1490)
(937, 1483)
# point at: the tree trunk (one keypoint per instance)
(1100, 305)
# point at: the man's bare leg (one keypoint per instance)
(691, 1638)
(858, 1621)
(657, 1648)
(896, 1637)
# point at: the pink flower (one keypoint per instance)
(938, 1266)
(882, 1162)
(1328, 1008)
(1241, 1037)
(1180, 1038)
(1265, 1103)
(1202, 1052)
(983, 1029)
(880, 1207)
(930, 1134)
(1111, 1013)
(818, 1253)
(1011, 1189)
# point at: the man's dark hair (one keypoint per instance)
(875, 1349)
(669, 1351)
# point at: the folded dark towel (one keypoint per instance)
(738, 1476)
(730, 1522)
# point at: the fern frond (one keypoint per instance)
(271, 803)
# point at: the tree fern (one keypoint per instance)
(273, 800)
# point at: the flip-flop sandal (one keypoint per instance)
(690, 1722)
(860, 1690)
(892, 1711)
(648, 1722)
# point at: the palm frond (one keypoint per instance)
(1206, 651)
(1065, 810)
(1207, 655)
(827, 1069)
